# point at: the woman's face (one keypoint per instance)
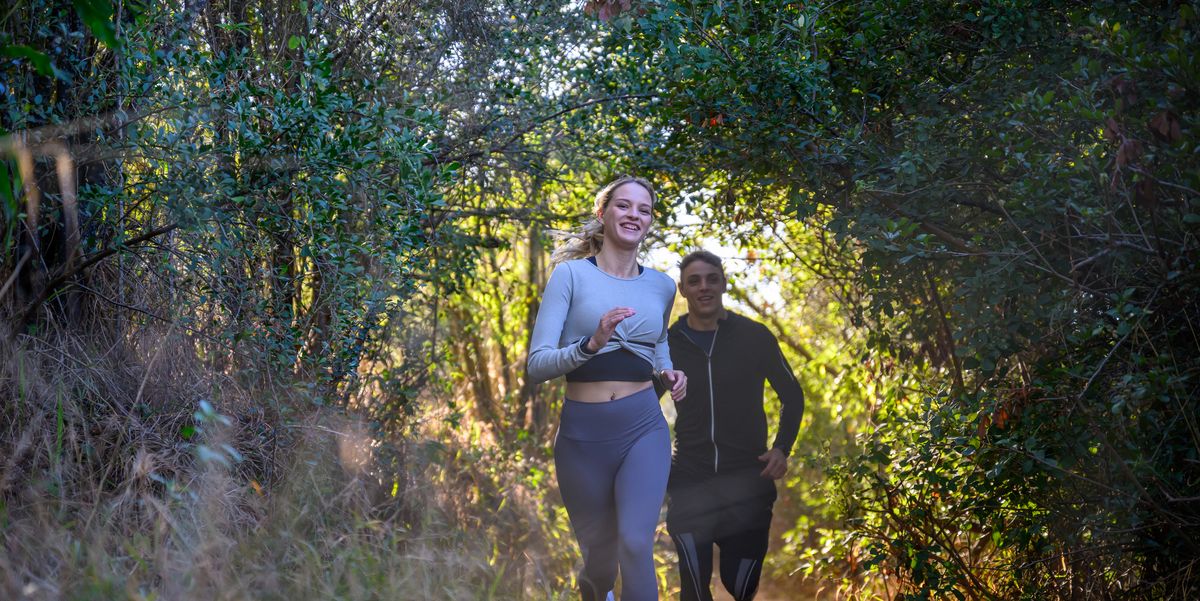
(628, 215)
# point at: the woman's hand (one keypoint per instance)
(677, 381)
(608, 324)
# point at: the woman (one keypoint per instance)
(603, 324)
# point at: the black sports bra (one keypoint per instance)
(614, 366)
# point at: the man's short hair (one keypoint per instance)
(701, 255)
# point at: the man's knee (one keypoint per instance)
(741, 577)
(742, 587)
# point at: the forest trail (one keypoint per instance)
(269, 274)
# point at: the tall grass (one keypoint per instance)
(116, 484)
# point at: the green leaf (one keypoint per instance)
(293, 42)
(97, 15)
(41, 62)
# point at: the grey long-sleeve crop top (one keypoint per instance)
(577, 294)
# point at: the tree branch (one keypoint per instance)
(950, 239)
(84, 264)
(529, 127)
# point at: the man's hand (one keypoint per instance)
(677, 381)
(776, 464)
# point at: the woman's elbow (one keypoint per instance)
(535, 371)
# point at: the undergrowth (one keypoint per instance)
(129, 471)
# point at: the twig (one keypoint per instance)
(1116, 346)
(104, 254)
(954, 241)
(92, 260)
(529, 127)
(16, 270)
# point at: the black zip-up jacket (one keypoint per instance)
(721, 426)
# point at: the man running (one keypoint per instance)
(722, 483)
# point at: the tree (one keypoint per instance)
(1018, 181)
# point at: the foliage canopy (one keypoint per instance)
(980, 217)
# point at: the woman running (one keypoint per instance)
(603, 324)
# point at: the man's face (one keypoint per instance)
(703, 286)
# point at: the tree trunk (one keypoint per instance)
(536, 411)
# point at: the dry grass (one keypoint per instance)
(104, 496)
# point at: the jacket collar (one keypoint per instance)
(730, 319)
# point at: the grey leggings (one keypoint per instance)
(612, 461)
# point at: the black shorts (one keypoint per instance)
(720, 505)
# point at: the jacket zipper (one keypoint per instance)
(712, 400)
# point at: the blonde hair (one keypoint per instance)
(587, 240)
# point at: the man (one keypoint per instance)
(722, 483)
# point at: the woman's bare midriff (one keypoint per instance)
(603, 392)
